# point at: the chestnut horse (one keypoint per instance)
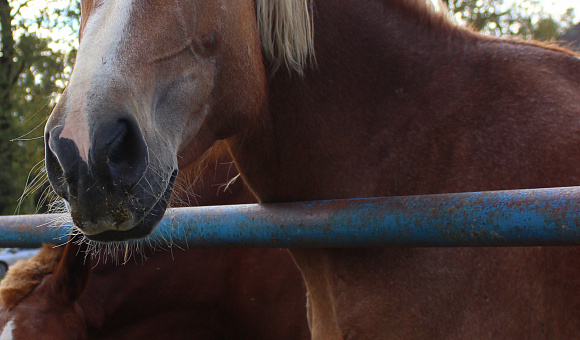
(328, 99)
(191, 294)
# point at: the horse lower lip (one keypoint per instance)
(146, 224)
(142, 229)
(137, 232)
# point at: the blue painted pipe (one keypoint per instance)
(498, 218)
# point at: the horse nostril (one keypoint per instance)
(123, 151)
(121, 154)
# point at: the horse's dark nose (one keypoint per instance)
(117, 160)
(118, 153)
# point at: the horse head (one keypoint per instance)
(154, 85)
(39, 296)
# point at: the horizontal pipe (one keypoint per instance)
(497, 218)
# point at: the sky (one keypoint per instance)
(62, 36)
(558, 7)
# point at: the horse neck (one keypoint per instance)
(111, 289)
(121, 300)
(103, 285)
(393, 103)
(321, 127)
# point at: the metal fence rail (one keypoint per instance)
(499, 218)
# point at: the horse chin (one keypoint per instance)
(144, 227)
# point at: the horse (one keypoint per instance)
(177, 294)
(331, 99)
(184, 294)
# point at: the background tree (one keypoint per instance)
(572, 38)
(33, 70)
(523, 18)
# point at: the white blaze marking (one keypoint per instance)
(95, 64)
(7, 331)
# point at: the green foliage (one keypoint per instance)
(33, 72)
(524, 18)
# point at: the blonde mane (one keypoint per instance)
(435, 10)
(25, 276)
(286, 32)
(433, 6)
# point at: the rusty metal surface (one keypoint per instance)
(500, 218)
(30, 231)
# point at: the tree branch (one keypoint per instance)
(6, 30)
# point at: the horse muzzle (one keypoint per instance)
(114, 192)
